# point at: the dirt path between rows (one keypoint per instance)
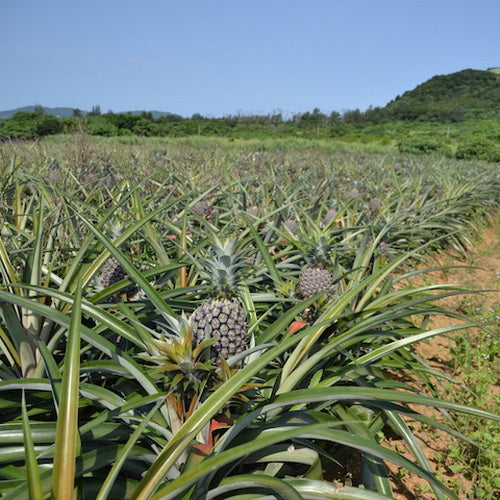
(485, 257)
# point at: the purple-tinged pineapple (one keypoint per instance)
(203, 209)
(291, 226)
(329, 217)
(111, 271)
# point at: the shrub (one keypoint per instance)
(480, 150)
(97, 125)
(48, 125)
(423, 145)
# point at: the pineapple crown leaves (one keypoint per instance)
(319, 252)
(175, 355)
(226, 268)
(318, 246)
(177, 340)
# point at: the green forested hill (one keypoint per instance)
(455, 97)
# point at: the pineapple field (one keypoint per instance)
(222, 319)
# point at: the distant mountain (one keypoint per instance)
(60, 112)
(454, 97)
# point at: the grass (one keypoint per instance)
(475, 360)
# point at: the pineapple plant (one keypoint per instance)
(180, 368)
(178, 358)
(222, 317)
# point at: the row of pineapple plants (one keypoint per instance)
(170, 342)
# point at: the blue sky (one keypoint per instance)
(228, 56)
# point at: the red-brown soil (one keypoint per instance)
(486, 255)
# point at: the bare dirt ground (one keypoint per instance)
(485, 254)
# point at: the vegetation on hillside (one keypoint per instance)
(467, 94)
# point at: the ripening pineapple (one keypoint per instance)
(203, 209)
(112, 272)
(329, 217)
(291, 226)
(222, 317)
(316, 278)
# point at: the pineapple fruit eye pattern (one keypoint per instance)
(315, 280)
(224, 321)
(268, 310)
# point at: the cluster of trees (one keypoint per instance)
(36, 124)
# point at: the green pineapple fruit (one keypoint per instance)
(253, 212)
(222, 317)
(314, 280)
(374, 206)
(316, 277)
(112, 272)
(329, 217)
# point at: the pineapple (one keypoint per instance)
(291, 226)
(222, 317)
(203, 209)
(185, 372)
(329, 217)
(374, 206)
(111, 273)
(253, 212)
(383, 247)
(316, 278)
